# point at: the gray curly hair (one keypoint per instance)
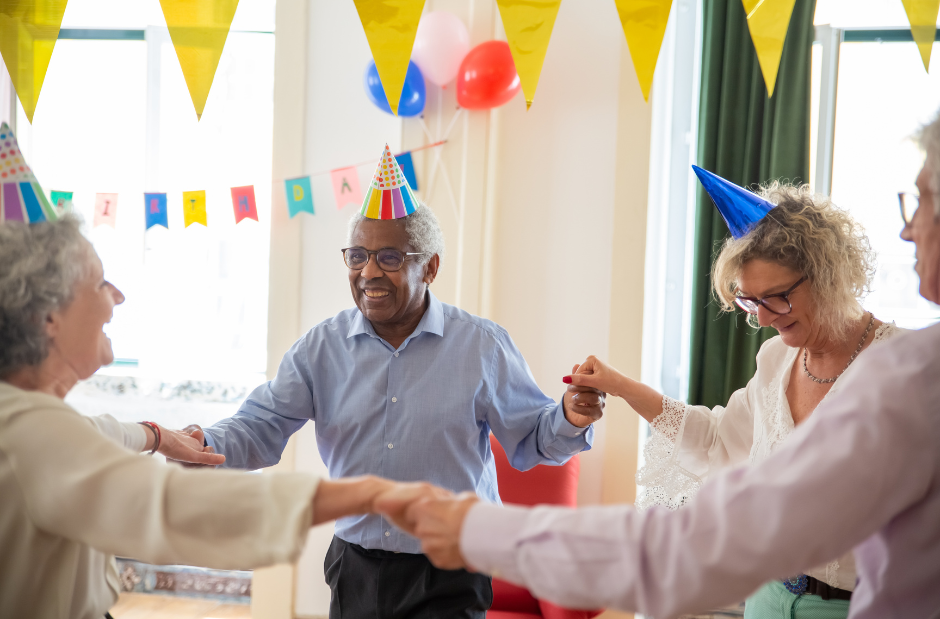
(39, 267)
(928, 137)
(808, 234)
(424, 232)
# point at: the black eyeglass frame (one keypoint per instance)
(785, 295)
(370, 253)
(913, 196)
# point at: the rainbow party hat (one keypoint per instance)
(21, 197)
(740, 208)
(389, 195)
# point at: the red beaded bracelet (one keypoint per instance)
(157, 436)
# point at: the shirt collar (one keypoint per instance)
(431, 322)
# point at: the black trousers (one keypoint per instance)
(378, 584)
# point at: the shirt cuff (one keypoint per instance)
(488, 539)
(135, 436)
(564, 428)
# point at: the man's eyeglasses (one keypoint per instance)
(387, 259)
(777, 303)
(909, 203)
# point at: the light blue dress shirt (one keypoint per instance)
(423, 412)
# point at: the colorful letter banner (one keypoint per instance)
(28, 32)
(194, 208)
(155, 210)
(299, 196)
(923, 17)
(62, 201)
(407, 165)
(391, 26)
(644, 25)
(346, 187)
(106, 209)
(243, 201)
(768, 21)
(198, 29)
(528, 25)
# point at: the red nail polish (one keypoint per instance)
(566, 380)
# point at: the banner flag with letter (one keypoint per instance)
(299, 196)
(243, 201)
(407, 165)
(105, 209)
(346, 187)
(155, 210)
(61, 201)
(194, 208)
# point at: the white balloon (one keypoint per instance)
(441, 43)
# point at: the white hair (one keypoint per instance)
(424, 232)
(929, 139)
(40, 265)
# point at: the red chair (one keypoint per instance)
(542, 485)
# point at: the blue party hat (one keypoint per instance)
(740, 208)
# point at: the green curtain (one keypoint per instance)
(747, 138)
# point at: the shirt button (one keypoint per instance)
(394, 399)
(391, 446)
(387, 534)
(396, 354)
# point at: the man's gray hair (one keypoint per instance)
(424, 232)
(39, 267)
(929, 139)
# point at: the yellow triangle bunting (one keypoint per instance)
(923, 17)
(28, 32)
(528, 25)
(768, 21)
(390, 27)
(198, 29)
(644, 25)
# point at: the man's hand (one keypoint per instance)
(583, 405)
(395, 502)
(187, 447)
(437, 522)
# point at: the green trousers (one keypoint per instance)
(773, 601)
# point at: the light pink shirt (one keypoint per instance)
(862, 472)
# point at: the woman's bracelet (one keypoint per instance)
(157, 436)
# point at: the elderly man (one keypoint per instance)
(407, 388)
(863, 472)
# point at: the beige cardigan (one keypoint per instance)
(71, 498)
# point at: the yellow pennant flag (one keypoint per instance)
(198, 29)
(923, 17)
(528, 25)
(644, 25)
(768, 21)
(194, 208)
(390, 27)
(28, 32)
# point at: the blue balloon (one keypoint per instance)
(412, 95)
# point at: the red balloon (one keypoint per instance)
(487, 77)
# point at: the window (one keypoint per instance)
(115, 116)
(870, 94)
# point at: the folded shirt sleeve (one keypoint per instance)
(133, 436)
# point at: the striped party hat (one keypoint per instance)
(389, 195)
(21, 197)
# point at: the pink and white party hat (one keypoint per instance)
(21, 197)
(389, 195)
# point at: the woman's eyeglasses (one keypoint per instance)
(387, 259)
(777, 303)
(909, 203)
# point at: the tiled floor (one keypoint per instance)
(144, 606)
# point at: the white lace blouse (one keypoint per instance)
(689, 443)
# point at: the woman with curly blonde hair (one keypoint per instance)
(801, 269)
